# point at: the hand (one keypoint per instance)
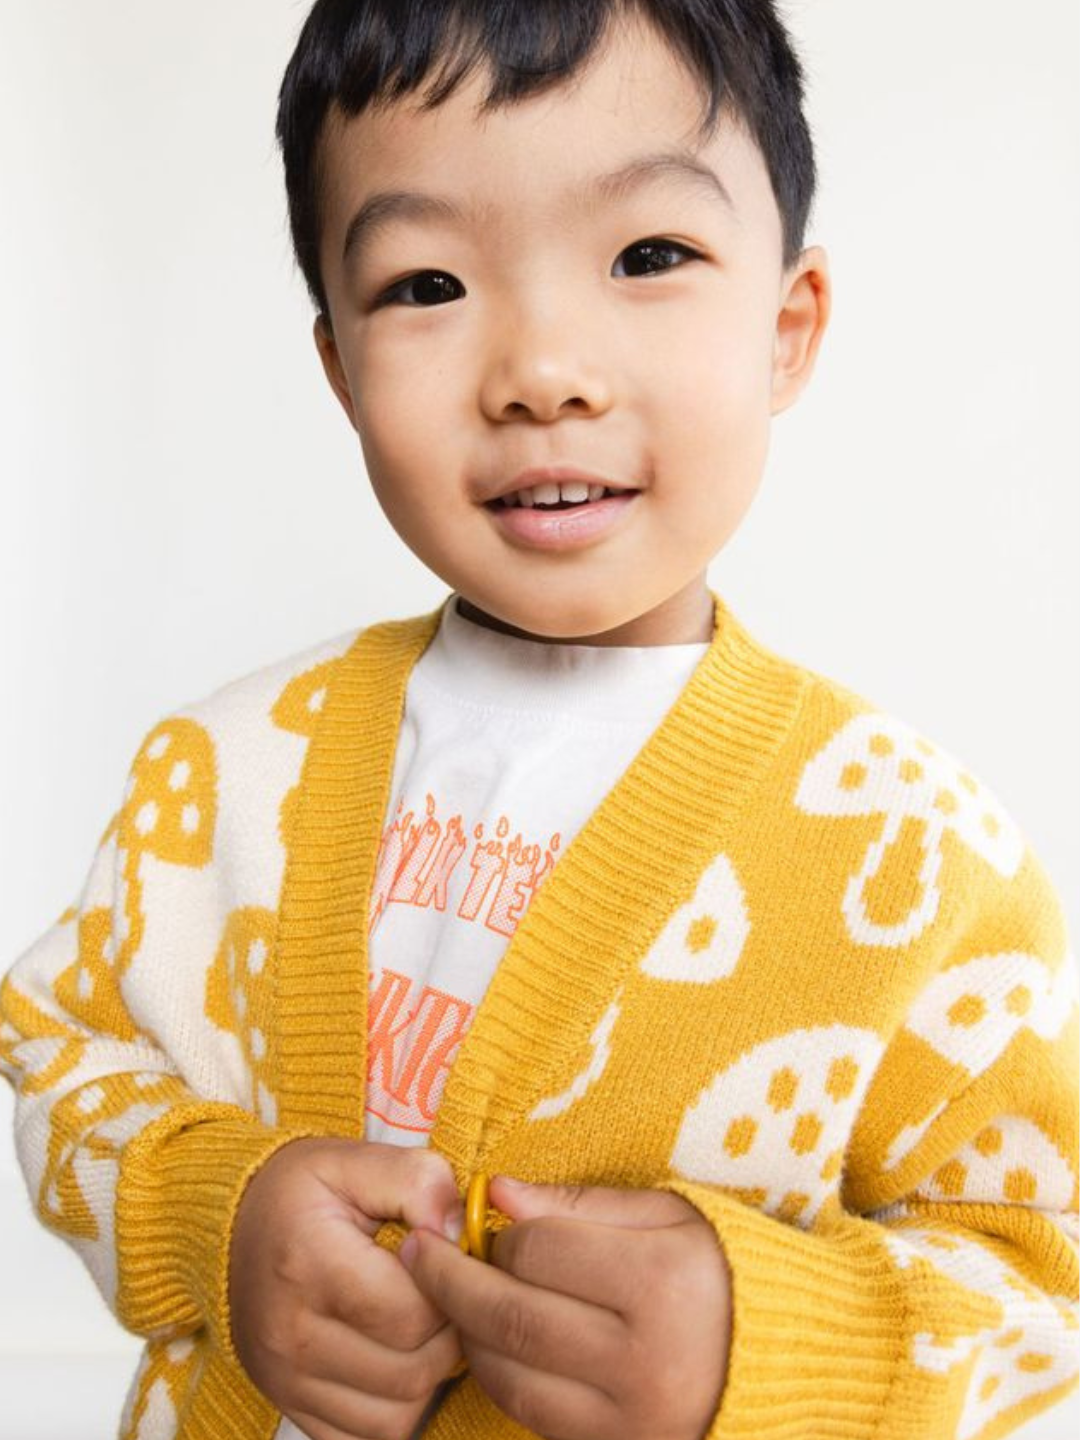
(605, 1314)
(328, 1324)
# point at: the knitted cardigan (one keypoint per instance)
(798, 967)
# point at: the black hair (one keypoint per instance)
(356, 53)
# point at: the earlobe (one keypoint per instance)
(331, 363)
(800, 324)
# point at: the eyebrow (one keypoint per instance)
(388, 207)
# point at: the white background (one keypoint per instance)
(182, 500)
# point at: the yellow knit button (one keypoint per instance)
(476, 1206)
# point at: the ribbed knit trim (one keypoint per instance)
(609, 895)
(181, 1183)
(321, 964)
(821, 1328)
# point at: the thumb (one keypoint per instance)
(405, 1183)
(599, 1204)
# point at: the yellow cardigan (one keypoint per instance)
(798, 967)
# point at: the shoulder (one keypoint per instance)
(866, 759)
(922, 822)
(237, 750)
(284, 696)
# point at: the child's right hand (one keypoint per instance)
(329, 1325)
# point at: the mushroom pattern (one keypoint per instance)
(239, 998)
(700, 943)
(1008, 1367)
(773, 1125)
(170, 812)
(877, 765)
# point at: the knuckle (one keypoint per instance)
(408, 1327)
(430, 1174)
(512, 1325)
(407, 1382)
(290, 1262)
(277, 1335)
(526, 1249)
(574, 1196)
(523, 1404)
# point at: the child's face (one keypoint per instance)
(549, 337)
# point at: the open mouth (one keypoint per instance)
(542, 498)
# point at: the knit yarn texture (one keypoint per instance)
(798, 967)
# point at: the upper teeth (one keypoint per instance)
(550, 493)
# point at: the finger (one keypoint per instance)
(401, 1182)
(544, 1330)
(603, 1265)
(341, 1414)
(605, 1205)
(375, 1294)
(544, 1404)
(336, 1353)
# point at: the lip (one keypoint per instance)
(562, 529)
(537, 474)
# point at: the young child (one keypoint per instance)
(753, 1002)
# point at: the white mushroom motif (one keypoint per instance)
(1028, 1351)
(878, 765)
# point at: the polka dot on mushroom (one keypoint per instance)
(805, 1134)
(180, 775)
(783, 1087)
(968, 1010)
(146, 819)
(988, 1141)
(1020, 1185)
(740, 1136)
(700, 935)
(840, 1081)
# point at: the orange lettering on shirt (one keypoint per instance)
(383, 1009)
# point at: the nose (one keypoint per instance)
(542, 367)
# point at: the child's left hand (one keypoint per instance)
(604, 1315)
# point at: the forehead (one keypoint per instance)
(536, 157)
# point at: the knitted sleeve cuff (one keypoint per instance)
(181, 1182)
(819, 1326)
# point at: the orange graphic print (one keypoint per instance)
(414, 1029)
(417, 858)
(410, 1049)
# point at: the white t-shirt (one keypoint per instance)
(506, 748)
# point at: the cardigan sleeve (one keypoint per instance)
(124, 1158)
(939, 1298)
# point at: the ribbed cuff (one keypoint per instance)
(181, 1182)
(819, 1328)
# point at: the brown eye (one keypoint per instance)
(653, 253)
(430, 287)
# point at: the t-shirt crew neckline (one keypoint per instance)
(476, 665)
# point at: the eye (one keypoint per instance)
(431, 287)
(653, 252)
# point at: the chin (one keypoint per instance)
(567, 624)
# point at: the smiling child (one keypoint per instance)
(753, 1005)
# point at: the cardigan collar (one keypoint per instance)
(634, 860)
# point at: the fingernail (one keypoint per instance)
(454, 1226)
(409, 1247)
(512, 1184)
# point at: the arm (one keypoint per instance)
(940, 1299)
(123, 1158)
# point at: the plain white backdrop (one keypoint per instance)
(182, 500)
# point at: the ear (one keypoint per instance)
(331, 363)
(805, 303)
